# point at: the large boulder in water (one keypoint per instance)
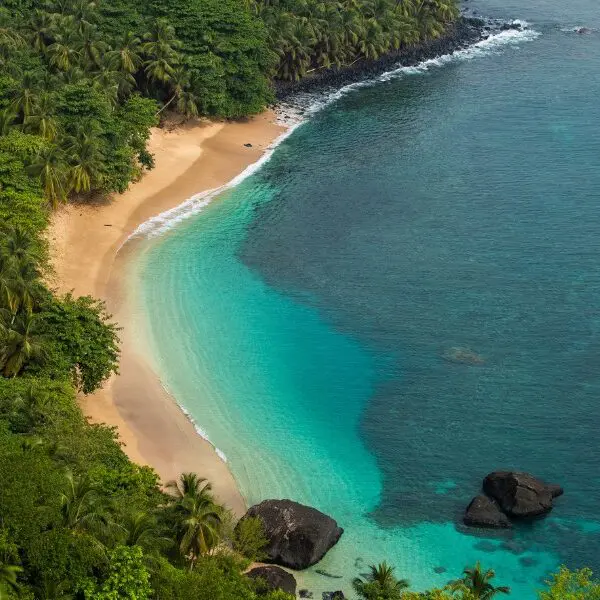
(520, 495)
(299, 536)
(274, 578)
(485, 512)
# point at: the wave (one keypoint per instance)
(202, 433)
(304, 105)
(166, 220)
(296, 112)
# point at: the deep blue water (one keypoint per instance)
(303, 318)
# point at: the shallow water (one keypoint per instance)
(304, 317)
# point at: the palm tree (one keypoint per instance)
(86, 162)
(42, 120)
(8, 580)
(90, 46)
(190, 484)
(126, 57)
(33, 406)
(62, 52)
(41, 26)
(80, 508)
(19, 343)
(52, 170)
(161, 49)
(26, 96)
(8, 120)
(198, 519)
(296, 51)
(142, 529)
(380, 584)
(477, 582)
(187, 104)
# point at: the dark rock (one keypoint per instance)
(326, 574)
(485, 512)
(486, 546)
(583, 30)
(334, 595)
(462, 33)
(463, 356)
(299, 536)
(520, 495)
(555, 490)
(515, 546)
(439, 570)
(274, 578)
(528, 561)
(305, 594)
(248, 145)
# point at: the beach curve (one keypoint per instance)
(85, 243)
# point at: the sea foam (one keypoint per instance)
(169, 218)
(294, 113)
(303, 105)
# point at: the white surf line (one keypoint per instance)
(306, 104)
(166, 220)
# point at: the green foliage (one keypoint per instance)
(127, 577)
(313, 34)
(84, 343)
(478, 582)
(572, 585)
(250, 540)
(196, 517)
(380, 584)
(216, 577)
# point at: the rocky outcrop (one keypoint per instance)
(520, 495)
(463, 356)
(485, 512)
(464, 32)
(274, 578)
(510, 495)
(299, 536)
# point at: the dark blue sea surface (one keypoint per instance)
(449, 211)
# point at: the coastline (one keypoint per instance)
(85, 243)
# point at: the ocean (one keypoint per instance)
(305, 317)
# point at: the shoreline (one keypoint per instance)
(89, 255)
(465, 32)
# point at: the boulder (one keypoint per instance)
(298, 536)
(304, 593)
(555, 490)
(463, 356)
(485, 512)
(334, 595)
(520, 495)
(274, 578)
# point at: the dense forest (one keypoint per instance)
(81, 84)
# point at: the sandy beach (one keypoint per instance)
(85, 243)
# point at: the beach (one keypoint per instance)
(88, 258)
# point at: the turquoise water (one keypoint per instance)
(302, 317)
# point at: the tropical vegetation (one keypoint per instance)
(81, 84)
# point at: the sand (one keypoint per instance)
(84, 244)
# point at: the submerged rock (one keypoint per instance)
(485, 512)
(327, 574)
(439, 570)
(463, 356)
(339, 595)
(299, 536)
(274, 578)
(520, 495)
(305, 594)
